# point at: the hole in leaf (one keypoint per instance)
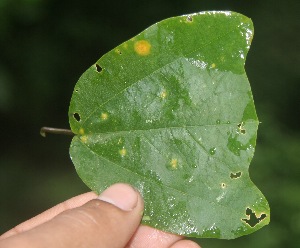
(241, 128)
(119, 51)
(76, 90)
(253, 220)
(189, 19)
(76, 116)
(98, 68)
(235, 175)
(223, 185)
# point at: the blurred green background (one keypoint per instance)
(45, 45)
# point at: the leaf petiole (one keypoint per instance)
(45, 130)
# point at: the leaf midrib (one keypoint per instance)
(174, 127)
(143, 176)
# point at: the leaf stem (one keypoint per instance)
(45, 130)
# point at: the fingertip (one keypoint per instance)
(49, 214)
(121, 195)
(185, 244)
(150, 237)
(116, 213)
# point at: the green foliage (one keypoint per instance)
(171, 112)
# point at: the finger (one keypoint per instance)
(185, 244)
(50, 213)
(95, 224)
(148, 237)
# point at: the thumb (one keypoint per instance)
(116, 213)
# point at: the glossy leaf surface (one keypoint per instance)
(171, 112)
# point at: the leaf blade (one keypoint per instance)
(176, 122)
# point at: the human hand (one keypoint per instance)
(111, 220)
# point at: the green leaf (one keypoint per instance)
(171, 112)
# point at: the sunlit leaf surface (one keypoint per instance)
(171, 112)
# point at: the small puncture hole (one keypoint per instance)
(253, 220)
(119, 52)
(235, 175)
(241, 128)
(98, 68)
(76, 116)
(189, 18)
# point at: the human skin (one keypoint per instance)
(110, 220)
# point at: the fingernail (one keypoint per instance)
(120, 195)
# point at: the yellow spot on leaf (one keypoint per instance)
(174, 163)
(213, 65)
(83, 138)
(81, 131)
(145, 217)
(142, 47)
(118, 51)
(163, 94)
(251, 38)
(125, 45)
(123, 152)
(104, 116)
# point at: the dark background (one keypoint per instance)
(46, 45)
